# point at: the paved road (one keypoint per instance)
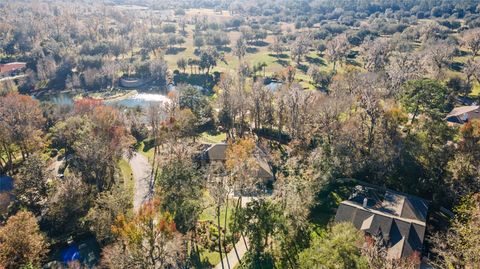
(231, 260)
(232, 257)
(141, 170)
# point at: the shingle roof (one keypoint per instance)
(9, 67)
(399, 219)
(218, 152)
(459, 111)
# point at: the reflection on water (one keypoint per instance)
(63, 99)
(140, 99)
(137, 100)
(273, 86)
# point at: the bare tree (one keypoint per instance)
(438, 55)
(375, 54)
(301, 46)
(403, 66)
(337, 49)
(471, 39)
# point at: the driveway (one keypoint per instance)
(231, 260)
(141, 170)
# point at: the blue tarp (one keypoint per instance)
(6, 183)
(71, 253)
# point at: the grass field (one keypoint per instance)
(207, 138)
(144, 151)
(127, 174)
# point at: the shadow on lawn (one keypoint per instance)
(317, 61)
(283, 63)
(279, 56)
(258, 43)
(327, 201)
(174, 51)
(197, 261)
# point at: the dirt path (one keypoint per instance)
(141, 170)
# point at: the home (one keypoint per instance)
(399, 219)
(11, 69)
(463, 114)
(218, 153)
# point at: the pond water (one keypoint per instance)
(273, 86)
(142, 100)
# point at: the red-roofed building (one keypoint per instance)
(10, 69)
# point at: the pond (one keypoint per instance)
(273, 86)
(142, 100)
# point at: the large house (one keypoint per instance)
(10, 69)
(399, 219)
(463, 114)
(218, 153)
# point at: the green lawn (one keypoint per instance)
(475, 90)
(144, 151)
(126, 171)
(207, 138)
(209, 214)
(210, 257)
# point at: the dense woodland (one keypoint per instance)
(362, 91)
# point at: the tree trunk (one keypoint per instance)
(225, 234)
(219, 237)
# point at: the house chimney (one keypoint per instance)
(365, 202)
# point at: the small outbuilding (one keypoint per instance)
(463, 114)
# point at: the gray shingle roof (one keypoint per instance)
(399, 219)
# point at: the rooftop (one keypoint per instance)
(400, 219)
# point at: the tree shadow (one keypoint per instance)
(352, 54)
(283, 63)
(259, 43)
(463, 53)
(328, 200)
(457, 66)
(197, 262)
(206, 81)
(302, 67)
(279, 56)
(353, 62)
(252, 50)
(174, 50)
(317, 61)
(224, 49)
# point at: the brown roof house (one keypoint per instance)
(399, 219)
(218, 153)
(10, 69)
(463, 114)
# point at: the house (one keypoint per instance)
(463, 114)
(10, 69)
(218, 153)
(399, 219)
